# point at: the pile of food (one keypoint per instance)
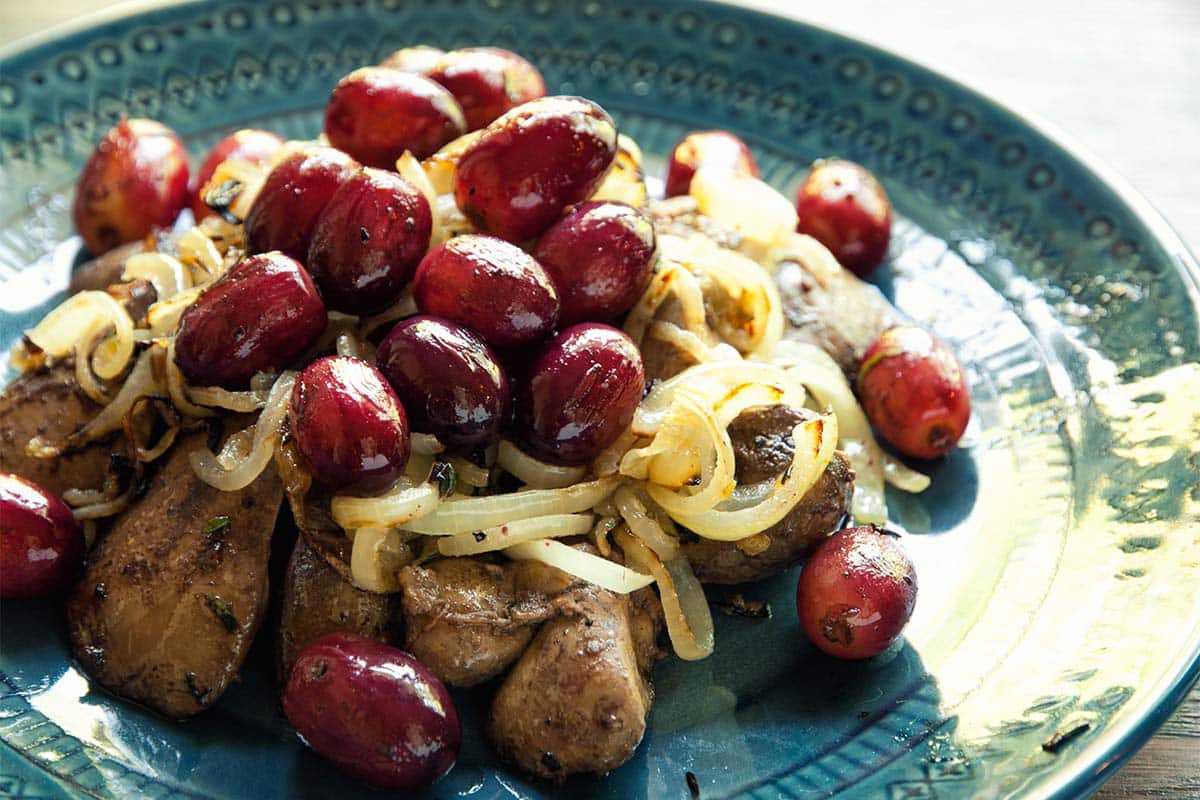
(510, 412)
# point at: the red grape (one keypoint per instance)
(260, 315)
(373, 710)
(487, 81)
(842, 206)
(41, 544)
(349, 426)
(601, 258)
(368, 241)
(295, 193)
(136, 180)
(493, 287)
(376, 113)
(248, 144)
(449, 380)
(532, 162)
(856, 593)
(710, 149)
(420, 59)
(914, 392)
(582, 391)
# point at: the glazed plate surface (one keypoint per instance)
(1058, 551)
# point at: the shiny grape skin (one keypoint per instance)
(711, 149)
(376, 113)
(856, 593)
(532, 162)
(260, 315)
(349, 425)
(582, 391)
(293, 196)
(487, 81)
(420, 59)
(135, 180)
(914, 392)
(843, 206)
(374, 711)
(601, 257)
(489, 285)
(368, 241)
(247, 144)
(41, 544)
(449, 380)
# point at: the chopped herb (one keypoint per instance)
(550, 762)
(479, 536)
(693, 783)
(223, 612)
(445, 476)
(217, 525)
(734, 605)
(220, 197)
(1063, 738)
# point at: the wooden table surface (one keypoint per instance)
(1120, 77)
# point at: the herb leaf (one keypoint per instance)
(216, 525)
(223, 612)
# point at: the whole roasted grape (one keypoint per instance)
(248, 144)
(41, 544)
(493, 287)
(487, 81)
(368, 241)
(709, 149)
(376, 113)
(582, 391)
(532, 162)
(914, 392)
(420, 59)
(260, 315)
(601, 257)
(856, 593)
(449, 380)
(842, 206)
(292, 198)
(373, 710)
(349, 426)
(136, 180)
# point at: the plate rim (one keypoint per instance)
(1117, 743)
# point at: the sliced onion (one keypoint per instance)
(426, 444)
(376, 558)
(84, 376)
(825, 379)
(164, 272)
(716, 379)
(600, 531)
(411, 170)
(815, 257)
(399, 507)
(531, 472)
(177, 387)
(83, 317)
(685, 342)
(350, 345)
(717, 480)
(745, 204)
(404, 307)
(671, 279)
(470, 474)
(522, 530)
(107, 508)
(196, 248)
(685, 608)
(477, 513)
(814, 442)
(643, 526)
(441, 166)
(609, 461)
(239, 472)
(591, 568)
(217, 397)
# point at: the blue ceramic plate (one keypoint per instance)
(1057, 550)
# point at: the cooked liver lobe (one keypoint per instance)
(468, 619)
(762, 446)
(48, 403)
(145, 620)
(317, 600)
(577, 699)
